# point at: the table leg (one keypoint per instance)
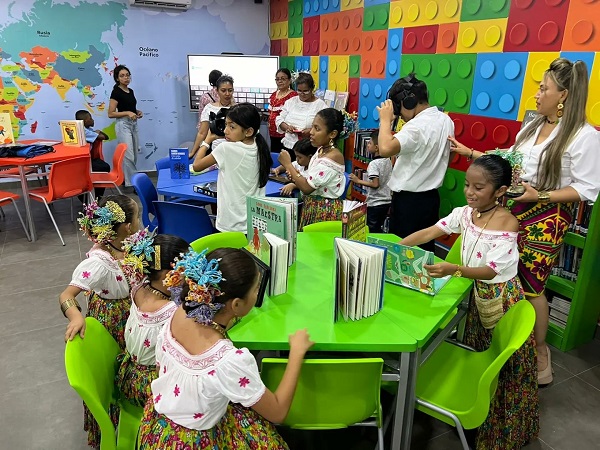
(27, 202)
(405, 401)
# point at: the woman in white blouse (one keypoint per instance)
(560, 166)
(298, 113)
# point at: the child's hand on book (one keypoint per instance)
(300, 342)
(440, 270)
(288, 189)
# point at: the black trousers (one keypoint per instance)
(376, 217)
(276, 145)
(414, 211)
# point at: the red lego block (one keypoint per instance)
(373, 53)
(353, 97)
(278, 10)
(311, 35)
(276, 47)
(421, 40)
(582, 32)
(536, 26)
(447, 38)
(284, 47)
(341, 32)
(482, 134)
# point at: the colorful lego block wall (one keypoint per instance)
(482, 59)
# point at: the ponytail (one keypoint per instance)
(264, 160)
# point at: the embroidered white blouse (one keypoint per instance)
(102, 274)
(142, 329)
(194, 390)
(325, 176)
(493, 248)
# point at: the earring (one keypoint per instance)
(560, 107)
(497, 202)
(331, 143)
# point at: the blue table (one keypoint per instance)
(184, 188)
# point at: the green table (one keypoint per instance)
(404, 326)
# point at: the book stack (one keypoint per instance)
(362, 174)
(354, 220)
(569, 261)
(581, 218)
(72, 132)
(6, 132)
(363, 137)
(559, 311)
(180, 163)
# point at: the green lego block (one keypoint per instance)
(449, 78)
(376, 17)
(287, 62)
(484, 9)
(354, 66)
(451, 191)
(295, 18)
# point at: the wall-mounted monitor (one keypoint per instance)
(253, 77)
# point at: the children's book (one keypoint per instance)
(359, 279)
(341, 100)
(275, 215)
(72, 132)
(6, 132)
(180, 163)
(209, 189)
(354, 220)
(264, 272)
(404, 266)
(273, 252)
(329, 98)
(320, 93)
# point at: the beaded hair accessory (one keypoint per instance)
(202, 277)
(138, 250)
(350, 124)
(97, 222)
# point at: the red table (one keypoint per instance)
(61, 152)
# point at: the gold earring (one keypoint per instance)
(560, 107)
(331, 143)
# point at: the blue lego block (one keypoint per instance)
(497, 84)
(302, 63)
(323, 72)
(586, 57)
(317, 7)
(394, 54)
(372, 93)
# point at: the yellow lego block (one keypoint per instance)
(314, 69)
(295, 46)
(279, 30)
(416, 13)
(481, 36)
(351, 4)
(537, 64)
(339, 72)
(593, 103)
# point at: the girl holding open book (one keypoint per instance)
(490, 256)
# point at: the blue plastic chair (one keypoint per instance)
(147, 194)
(345, 193)
(189, 222)
(162, 163)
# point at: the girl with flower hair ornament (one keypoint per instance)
(100, 276)
(208, 393)
(148, 260)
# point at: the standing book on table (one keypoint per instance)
(72, 132)
(180, 163)
(6, 132)
(264, 272)
(404, 267)
(354, 220)
(273, 252)
(359, 279)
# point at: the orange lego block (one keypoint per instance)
(447, 38)
(582, 31)
(341, 32)
(373, 53)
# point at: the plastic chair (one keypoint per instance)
(331, 393)
(116, 176)
(189, 222)
(162, 163)
(225, 239)
(91, 365)
(147, 194)
(67, 179)
(96, 151)
(456, 385)
(9, 197)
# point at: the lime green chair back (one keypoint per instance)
(331, 393)
(453, 255)
(228, 239)
(456, 385)
(333, 226)
(91, 366)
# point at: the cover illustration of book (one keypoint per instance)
(359, 279)
(180, 163)
(6, 132)
(275, 215)
(404, 267)
(341, 100)
(329, 98)
(354, 220)
(72, 132)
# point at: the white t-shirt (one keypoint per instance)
(299, 115)
(424, 152)
(194, 390)
(580, 162)
(379, 168)
(205, 117)
(238, 178)
(495, 249)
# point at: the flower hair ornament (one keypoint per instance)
(138, 250)
(295, 74)
(202, 277)
(350, 124)
(97, 222)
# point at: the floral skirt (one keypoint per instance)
(319, 209)
(133, 380)
(240, 428)
(113, 315)
(513, 419)
(542, 228)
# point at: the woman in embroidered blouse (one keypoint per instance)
(324, 181)
(283, 78)
(560, 166)
(298, 112)
(489, 255)
(147, 261)
(208, 393)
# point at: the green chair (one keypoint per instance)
(456, 385)
(91, 367)
(332, 393)
(229, 239)
(333, 226)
